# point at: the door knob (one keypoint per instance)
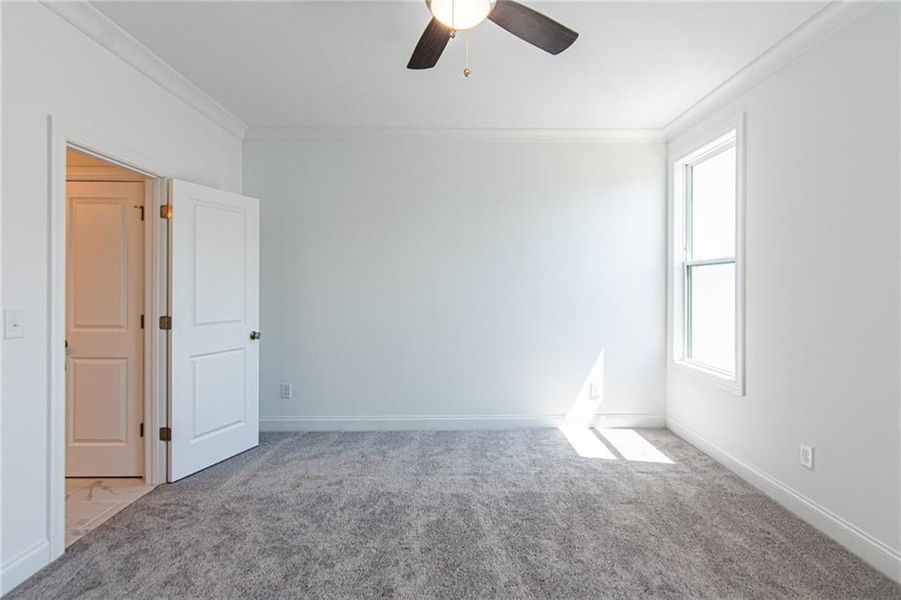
(255, 335)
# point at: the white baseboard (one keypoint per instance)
(407, 422)
(444, 422)
(24, 565)
(882, 557)
(630, 421)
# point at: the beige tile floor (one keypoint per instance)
(91, 501)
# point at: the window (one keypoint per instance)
(707, 261)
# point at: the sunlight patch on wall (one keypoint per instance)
(584, 408)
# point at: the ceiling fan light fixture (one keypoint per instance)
(449, 16)
(459, 15)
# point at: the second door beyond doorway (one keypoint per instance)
(104, 337)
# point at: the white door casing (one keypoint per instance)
(104, 304)
(214, 299)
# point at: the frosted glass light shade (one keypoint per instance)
(461, 14)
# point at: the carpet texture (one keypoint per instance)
(484, 514)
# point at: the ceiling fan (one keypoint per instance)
(451, 16)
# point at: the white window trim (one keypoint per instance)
(702, 146)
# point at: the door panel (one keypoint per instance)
(100, 263)
(218, 390)
(214, 256)
(219, 263)
(99, 422)
(104, 303)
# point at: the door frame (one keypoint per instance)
(62, 136)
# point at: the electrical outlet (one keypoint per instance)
(807, 456)
(13, 323)
(286, 390)
(594, 390)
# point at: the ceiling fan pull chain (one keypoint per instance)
(466, 69)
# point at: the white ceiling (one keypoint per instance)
(342, 64)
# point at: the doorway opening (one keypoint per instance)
(199, 360)
(107, 273)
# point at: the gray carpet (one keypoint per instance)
(504, 514)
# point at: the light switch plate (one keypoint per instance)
(594, 389)
(13, 323)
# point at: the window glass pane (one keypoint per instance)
(713, 207)
(711, 323)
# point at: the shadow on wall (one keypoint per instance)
(607, 444)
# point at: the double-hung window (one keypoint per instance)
(708, 259)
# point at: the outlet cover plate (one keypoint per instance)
(807, 456)
(13, 323)
(286, 390)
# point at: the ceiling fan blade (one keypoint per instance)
(532, 26)
(430, 46)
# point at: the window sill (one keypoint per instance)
(721, 380)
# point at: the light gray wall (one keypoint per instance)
(434, 279)
(822, 283)
(51, 68)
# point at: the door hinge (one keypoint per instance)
(142, 321)
(142, 430)
(166, 211)
(166, 322)
(165, 434)
(141, 208)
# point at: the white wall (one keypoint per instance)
(440, 279)
(49, 67)
(822, 292)
(458, 283)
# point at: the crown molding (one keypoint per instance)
(97, 26)
(827, 21)
(88, 19)
(471, 135)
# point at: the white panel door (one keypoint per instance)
(215, 307)
(104, 302)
